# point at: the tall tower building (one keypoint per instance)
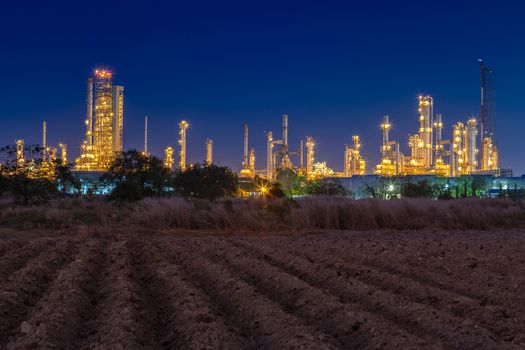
(487, 110)
(104, 123)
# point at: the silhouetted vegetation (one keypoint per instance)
(206, 181)
(136, 175)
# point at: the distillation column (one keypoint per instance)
(44, 142)
(20, 152)
(269, 156)
(89, 112)
(63, 153)
(471, 133)
(285, 161)
(183, 126)
(209, 151)
(425, 131)
(310, 146)
(146, 135)
(168, 158)
(458, 151)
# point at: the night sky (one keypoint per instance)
(334, 66)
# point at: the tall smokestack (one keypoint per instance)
(89, 112)
(209, 151)
(146, 135)
(245, 160)
(44, 140)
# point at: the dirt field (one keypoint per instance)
(403, 290)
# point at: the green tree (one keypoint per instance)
(420, 189)
(136, 175)
(206, 181)
(325, 188)
(292, 183)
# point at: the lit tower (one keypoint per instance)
(209, 151)
(168, 158)
(146, 135)
(269, 156)
(310, 156)
(183, 127)
(246, 171)
(469, 141)
(104, 123)
(103, 128)
(354, 164)
(425, 131)
(63, 153)
(458, 151)
(20, 152)
(285, 161)
(44, 141)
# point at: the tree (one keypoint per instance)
(66, 182)
(206, 181)
(420, 189)
(325, 188)
(292, 183)
(29, 191)
(137, 175)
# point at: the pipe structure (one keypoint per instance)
(63, 153)
(438, 127)
(301, 155)
(425, 147)
(471, 133)
(245, 159)
(146, 135)
(285, 132)
(44, 141)
(458, 151)
(252, 161)
(310, 156)
(209, 151)
(20, 159)
(89, 112)
(269, 156)
(183, 127)
(168, 158)
(386, 126)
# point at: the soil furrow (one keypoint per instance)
(19, 257)
(59, 318)
(193, 321)
(258, 317)
(117, 321)
(345, 320)
(488, 316)
(422, 319)
(22, 291)
(10, 245)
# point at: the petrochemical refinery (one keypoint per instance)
(471, 149)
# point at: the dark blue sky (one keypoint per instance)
(334, 66)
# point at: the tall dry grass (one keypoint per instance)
(259, 215)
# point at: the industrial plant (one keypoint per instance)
(471, 149)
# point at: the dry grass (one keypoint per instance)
(258, 215)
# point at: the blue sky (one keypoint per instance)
(334, 66)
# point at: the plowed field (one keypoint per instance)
(402, 290)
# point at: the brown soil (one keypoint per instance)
(359, 290)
